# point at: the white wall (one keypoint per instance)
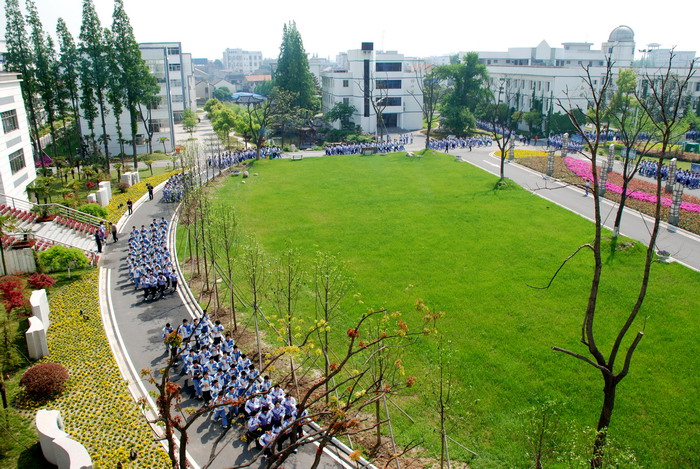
(15, 185)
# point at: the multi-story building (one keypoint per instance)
(553, 76)
(175, 75)
(388, 79)
(17, 169)
(241, 61)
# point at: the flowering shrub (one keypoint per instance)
(583, 170)
(524, 153)
(90, 184)
(12, 292)
(39, 281)
(117, 206)
(44, 380)
(96, 407)
(688, 221)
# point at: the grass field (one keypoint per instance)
(435, 229)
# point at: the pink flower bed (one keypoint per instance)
(583, 170)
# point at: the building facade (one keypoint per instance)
(387, 79)
(174, 72)
(17, 169)
(553, 77)
(241, 61)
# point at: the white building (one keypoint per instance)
(555, 75)
(175, 74)
(389, 78)
(17, 168)
(241, 61)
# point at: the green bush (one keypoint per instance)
(44, 380)
(58, 258)
(95, 210)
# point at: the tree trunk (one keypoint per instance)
(604, 421)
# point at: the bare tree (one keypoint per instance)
(378, 98)
(634, 128)
(431, 91)
(287, 281)
(663, 104)
(499, 110)
(330, 287)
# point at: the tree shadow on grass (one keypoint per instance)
(33, 457)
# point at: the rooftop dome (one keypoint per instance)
(622, 34)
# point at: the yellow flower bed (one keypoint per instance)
(96, 406)
(524, 153)
(134, 193)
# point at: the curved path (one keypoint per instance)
(134, 328)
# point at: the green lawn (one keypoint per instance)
(432, 228)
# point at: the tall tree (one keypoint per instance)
(431, 92)
(466, 87)
(69, 63)
(94, 69)
(44, 67)
(139, 84)
(501, 118)
(116, 90)
(625, 114)
(20, 59)
(293, 72)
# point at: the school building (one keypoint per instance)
(387, 79)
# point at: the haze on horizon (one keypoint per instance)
(419, 29)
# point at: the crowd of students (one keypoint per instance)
(356, 148)
(175, 187)
(650, 168)
(149, 263)
(460, 142)
(557, 141)
(226, 379)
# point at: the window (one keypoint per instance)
(176, 83)
(390, 102)
(174, 67)
(388, 84)
(173, 51)
(388, 66)
(17, 161)
(346, 83)
(154, 126)
(346, 101)
(177, 98)
(9, 121)
(697, 88)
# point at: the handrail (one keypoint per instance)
(20, 235)
(54, 208)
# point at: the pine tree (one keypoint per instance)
(45, 67)
(69, 63)
(94, 72)
(293, 72)
(20, 59)
(116, 90)
(140, 86)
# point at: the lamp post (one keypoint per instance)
(611, 156)
(603, 178)
(671, 174)
(675, 214)
(565, 144)
(511, 150)
(550, 163)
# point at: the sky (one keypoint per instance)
(415, 28)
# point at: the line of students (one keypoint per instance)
(225, 378)
(149, 263)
